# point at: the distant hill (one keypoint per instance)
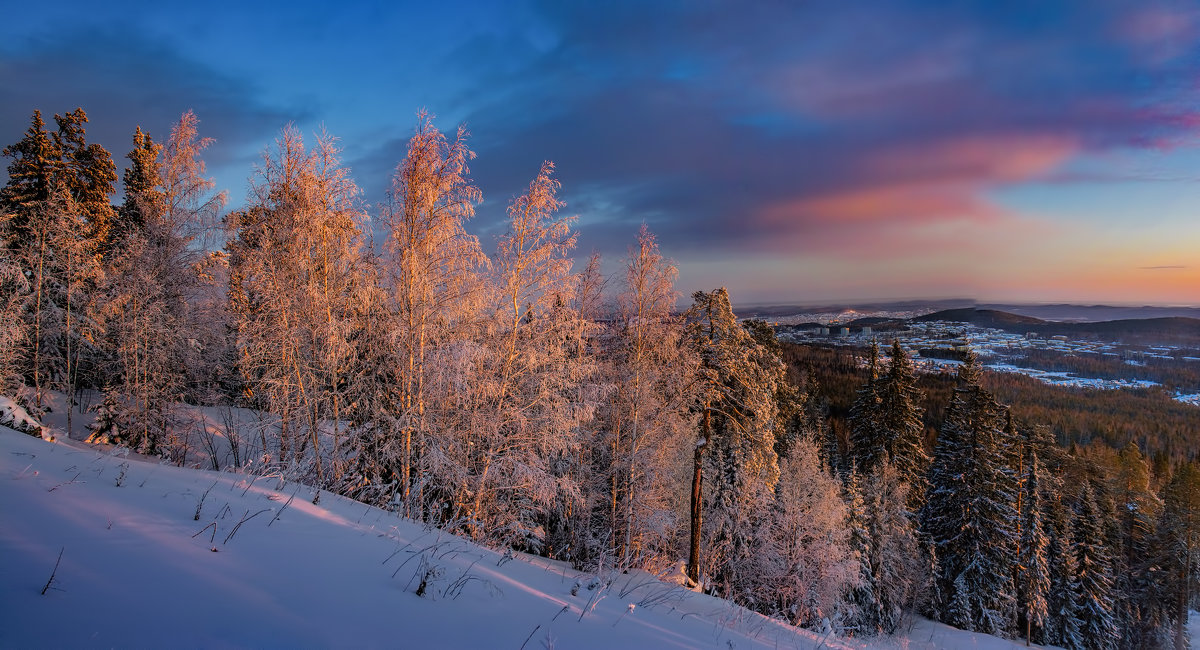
(1050, 312)
(767, 311)
(984, 318)
(1094, 313)
(1173, 329)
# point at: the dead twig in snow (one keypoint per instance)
(246, 517)
(67, 483)
(54, 572)
(285, 505)
(535, 629)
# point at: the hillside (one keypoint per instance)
(1167, 329)
(983, 318)
(159, 556)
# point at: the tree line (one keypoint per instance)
(511, 398)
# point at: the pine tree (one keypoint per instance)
(969, 514)
(737, 411)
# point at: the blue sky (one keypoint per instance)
(794, 152)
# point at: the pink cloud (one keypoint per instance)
(926, 195)
(976, 160)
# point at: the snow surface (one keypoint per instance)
(153, 555)
(15, 416)
(1056, 378)
(1193, 398)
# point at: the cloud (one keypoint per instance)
(123, 80)
(795, 126)
(1163, 267)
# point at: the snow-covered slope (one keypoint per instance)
(159, 556)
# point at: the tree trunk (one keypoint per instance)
(693, 569)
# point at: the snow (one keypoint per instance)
(1067, 379)
(13, 415)
(155, 555)
(1192, 398)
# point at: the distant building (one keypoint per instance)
(845, 331)
(866, 331)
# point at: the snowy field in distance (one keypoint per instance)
(1069, 380)
(1193, 399)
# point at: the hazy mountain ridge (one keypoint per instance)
(1047, 312)
(1169, 329)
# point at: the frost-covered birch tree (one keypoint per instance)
(293, 257)
(646, 422)
(433, 270)
(522, 413)
(154, 293)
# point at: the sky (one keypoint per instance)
(794, 152)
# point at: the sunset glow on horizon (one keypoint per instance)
(815, 153)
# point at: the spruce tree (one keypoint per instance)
(31, 175)
(868, 440)
(901, 420)
(1033, 571)
(864, 605)
(1098, 627)
(886, 421)
(88, 173)
(142, 184)
(1180, 546)
(1062, 626)
(1134, 563)
(969, 513)
(894, 558)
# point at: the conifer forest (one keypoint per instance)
(500, 391)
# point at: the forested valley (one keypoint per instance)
(502, 394)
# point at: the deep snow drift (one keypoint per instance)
(158, 556)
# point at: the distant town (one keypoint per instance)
(939, 346)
